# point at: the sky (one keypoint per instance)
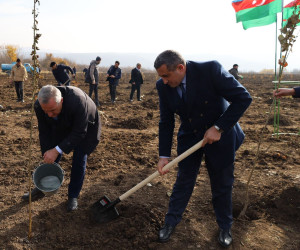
(198, 29)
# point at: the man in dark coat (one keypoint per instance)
(74, 71)
(92, 77)
(136, 81)
(114, 74)
(235, 72)
(61, 73)
(209, 102)
(68, 120)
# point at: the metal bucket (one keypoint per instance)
(48, 178)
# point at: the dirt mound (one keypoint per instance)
(131, 123)
(283, 121)
(150, 104)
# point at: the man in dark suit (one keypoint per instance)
(136, 81)
(294, 92)
(68, 120)
(209, 102)
(114, 74)
(61, 73)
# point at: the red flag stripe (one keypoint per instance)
(291, 4)
(247, 4)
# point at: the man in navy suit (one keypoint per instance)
(114, 74)
(209, 102)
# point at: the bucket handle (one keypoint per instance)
(54, 163)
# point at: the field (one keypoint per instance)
(127, 154)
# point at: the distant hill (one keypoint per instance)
(147, 59)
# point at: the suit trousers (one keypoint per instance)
(221, 180)
(112, 91)
(94, 88)
(77, 172)
(19, 90)
(136, 87)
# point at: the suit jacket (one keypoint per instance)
(136, 76)
(297, 94)
(116, 72)
(78, 124)
(214, 97)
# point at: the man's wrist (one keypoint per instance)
(219, 129)
(59, 150)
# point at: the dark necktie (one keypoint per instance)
(183, 96)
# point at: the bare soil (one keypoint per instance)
(127, 154)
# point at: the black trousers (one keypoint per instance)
(77, 171)
(94, 88)
(221, 180)
(19, 90)
(136, 87)
(112, 91)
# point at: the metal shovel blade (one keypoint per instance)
(104, 210)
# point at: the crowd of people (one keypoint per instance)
(68, 120)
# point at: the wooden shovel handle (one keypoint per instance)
(166, 167)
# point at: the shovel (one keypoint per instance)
(104, 210)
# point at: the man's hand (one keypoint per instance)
(94, 82)
(284, 92)
(50, 155)
(112, 76)
(74, 75)
(211, 135)
(161, 163)
(133, 83)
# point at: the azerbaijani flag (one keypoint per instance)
(289, 9)
(254, 9)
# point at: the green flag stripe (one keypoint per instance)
(260, 22)
(259, 12)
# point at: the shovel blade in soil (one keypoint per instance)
(104, 210)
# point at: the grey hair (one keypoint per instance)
(138, 64)
(170, 58)
(47, 92)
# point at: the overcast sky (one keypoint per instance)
(196, 27)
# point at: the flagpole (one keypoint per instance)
(278, 86)
(275, 100)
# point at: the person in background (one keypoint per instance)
(235, 72)
(136, 82)
(68, 120)
(74, 71)
(92, 77)
(294, 92)
(209, 102)
(19, 75)
(61, 73)
(114, 74)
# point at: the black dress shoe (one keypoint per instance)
(165, 233)
(35, 195)
(225, 238)
(72, 204)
